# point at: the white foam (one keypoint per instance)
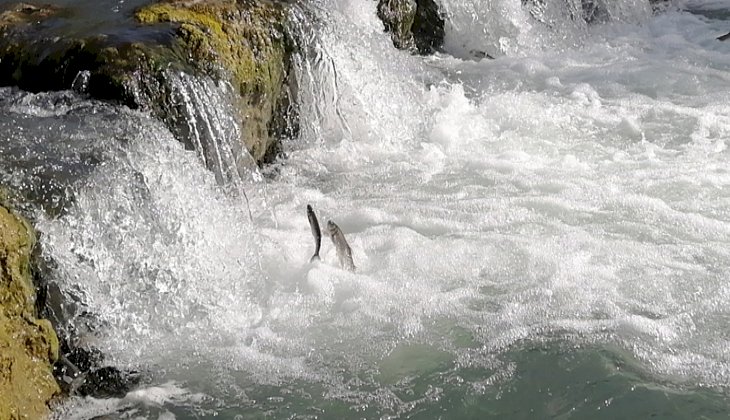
(154, 398)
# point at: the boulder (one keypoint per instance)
(245, 43)
(415, 25)
(28, 346)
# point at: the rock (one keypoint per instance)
(238, 41)
(244, 42)
(428, 27)
(414, 25)
(398, 17)
(107, 382)
(28, 346)
(24, 13)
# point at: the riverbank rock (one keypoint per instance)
(415, 25)
(241, 42)
(28, 346)
(245, 43)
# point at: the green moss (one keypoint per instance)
(24, 13)
(28, 346)
(16, 241)
(240, 41)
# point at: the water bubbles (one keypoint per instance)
(80, 83)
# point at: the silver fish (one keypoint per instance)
(314, 224)
(344, 253)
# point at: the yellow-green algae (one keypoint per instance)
(242, 38)
(28, 346)
(24, 13)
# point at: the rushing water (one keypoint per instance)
(540, 235)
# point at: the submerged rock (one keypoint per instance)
(28, 346)
(415, 25)
(242, 42)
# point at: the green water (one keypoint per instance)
(555, 380)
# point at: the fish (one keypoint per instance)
(724, 37)
(314, 225)
(344, 253)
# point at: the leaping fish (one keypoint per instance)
(314, 224)
(344, 253)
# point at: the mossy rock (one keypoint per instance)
(36, 59)
(28, 346)
(243, 42)
(24, 14)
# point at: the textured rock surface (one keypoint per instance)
(245, 43)
(28, 346)
(239, 41)
(415, 25)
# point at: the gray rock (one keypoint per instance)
(414, 25)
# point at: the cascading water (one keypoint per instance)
(208, 123)
(541, 235)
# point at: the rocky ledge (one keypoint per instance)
(28, 346)
(242, 42)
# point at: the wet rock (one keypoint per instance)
(428, 27)
(242, 42)
(24, 14)
(107, 382)
(245, 43)
(398, 17)
(415, 25)
(28, 346)
(81, 370)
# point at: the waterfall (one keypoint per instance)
(205, 118)
(507, 27)
(553, 219)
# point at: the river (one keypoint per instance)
(541, 235)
